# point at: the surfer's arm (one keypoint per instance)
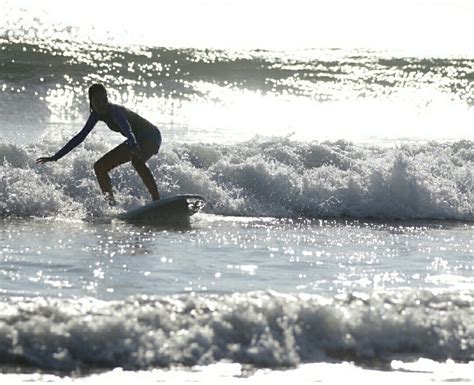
(120, 117)
(79, 138)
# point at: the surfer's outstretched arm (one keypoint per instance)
(74, 142)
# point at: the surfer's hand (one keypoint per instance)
(45, 159)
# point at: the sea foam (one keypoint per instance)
(275, 177)
(263, 329)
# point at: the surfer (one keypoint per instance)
(143, 141)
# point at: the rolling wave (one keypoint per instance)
(275, 177)
(39, 68)
(263, 329)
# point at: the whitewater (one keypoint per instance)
(338, 232)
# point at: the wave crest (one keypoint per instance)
(262, 329)
(265, 177)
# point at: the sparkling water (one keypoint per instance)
(337, 236)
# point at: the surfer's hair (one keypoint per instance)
(97, 89)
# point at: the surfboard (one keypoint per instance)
(174, 209)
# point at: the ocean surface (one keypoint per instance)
(337, 238)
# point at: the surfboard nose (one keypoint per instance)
(195, 203)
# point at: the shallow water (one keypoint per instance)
(261, 292)
(220, 254)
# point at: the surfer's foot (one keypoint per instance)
(110, 200)
(156, 198)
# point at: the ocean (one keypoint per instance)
(337, 238)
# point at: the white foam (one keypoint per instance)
(273, 177)
(263, 329)
(421, 372)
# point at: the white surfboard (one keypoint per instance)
(167, 210)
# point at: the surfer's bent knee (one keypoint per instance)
(99, 167)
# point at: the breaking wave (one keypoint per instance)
(264, 329)
(274, 177)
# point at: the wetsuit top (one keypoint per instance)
(119, 119)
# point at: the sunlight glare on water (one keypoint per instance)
(332, 142)
(294, 84)
(223, 255)
(262, 24)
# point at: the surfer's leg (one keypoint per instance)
(146, 151)
(117, 156)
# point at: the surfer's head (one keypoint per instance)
(98, 99)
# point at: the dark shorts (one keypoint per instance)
(149, 143)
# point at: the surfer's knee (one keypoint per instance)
(99, 167)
